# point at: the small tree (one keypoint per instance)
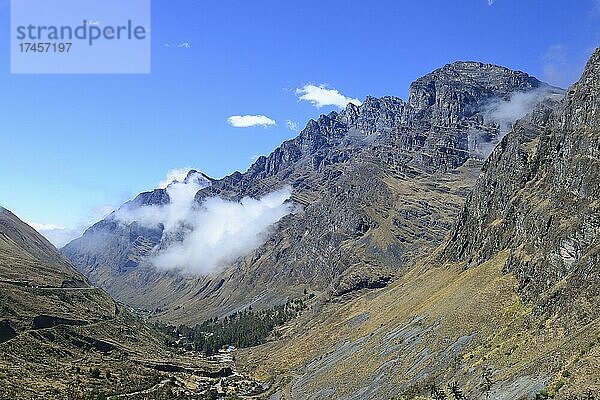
(456, 391)
(438, 393)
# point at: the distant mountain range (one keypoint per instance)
(380, 185)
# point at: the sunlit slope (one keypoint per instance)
(436, 325)
(508, 308)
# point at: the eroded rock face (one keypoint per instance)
(380, 185)
(538, 198)
(457, 91)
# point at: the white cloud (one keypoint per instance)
(321, 96)
(180, 45)
(292, 125)
(173, 215)
(177, 174)
(505, 113)
(201, 238)
(222, 231)
(60, 235)
(490, 2)
(246, 121)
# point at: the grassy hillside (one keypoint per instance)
(61, 338)
(508, 309)
(434, 326)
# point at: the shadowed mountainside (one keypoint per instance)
(56, 329)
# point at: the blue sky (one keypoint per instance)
(71, 146)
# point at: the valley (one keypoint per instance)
(62, 338)
(411, 250)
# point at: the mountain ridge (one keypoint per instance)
(62, 338)
(427, 267)
(506, 308)
(385, 147)
(26, 243)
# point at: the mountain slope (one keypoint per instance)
(380, 186)
(506, 309)
(25, 246)
(539, 198)
(55, 328)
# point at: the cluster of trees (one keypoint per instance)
(245, 328)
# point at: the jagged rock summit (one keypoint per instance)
(458, 91)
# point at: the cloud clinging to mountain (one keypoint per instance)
(505, 113)
(176, 174)
(220, 231)
(203, 237)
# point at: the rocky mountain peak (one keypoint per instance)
(197, 177)
(458, 91)
(161, 197)
(464, 77)
(351, 170)
(456, 94)
(350, 113)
